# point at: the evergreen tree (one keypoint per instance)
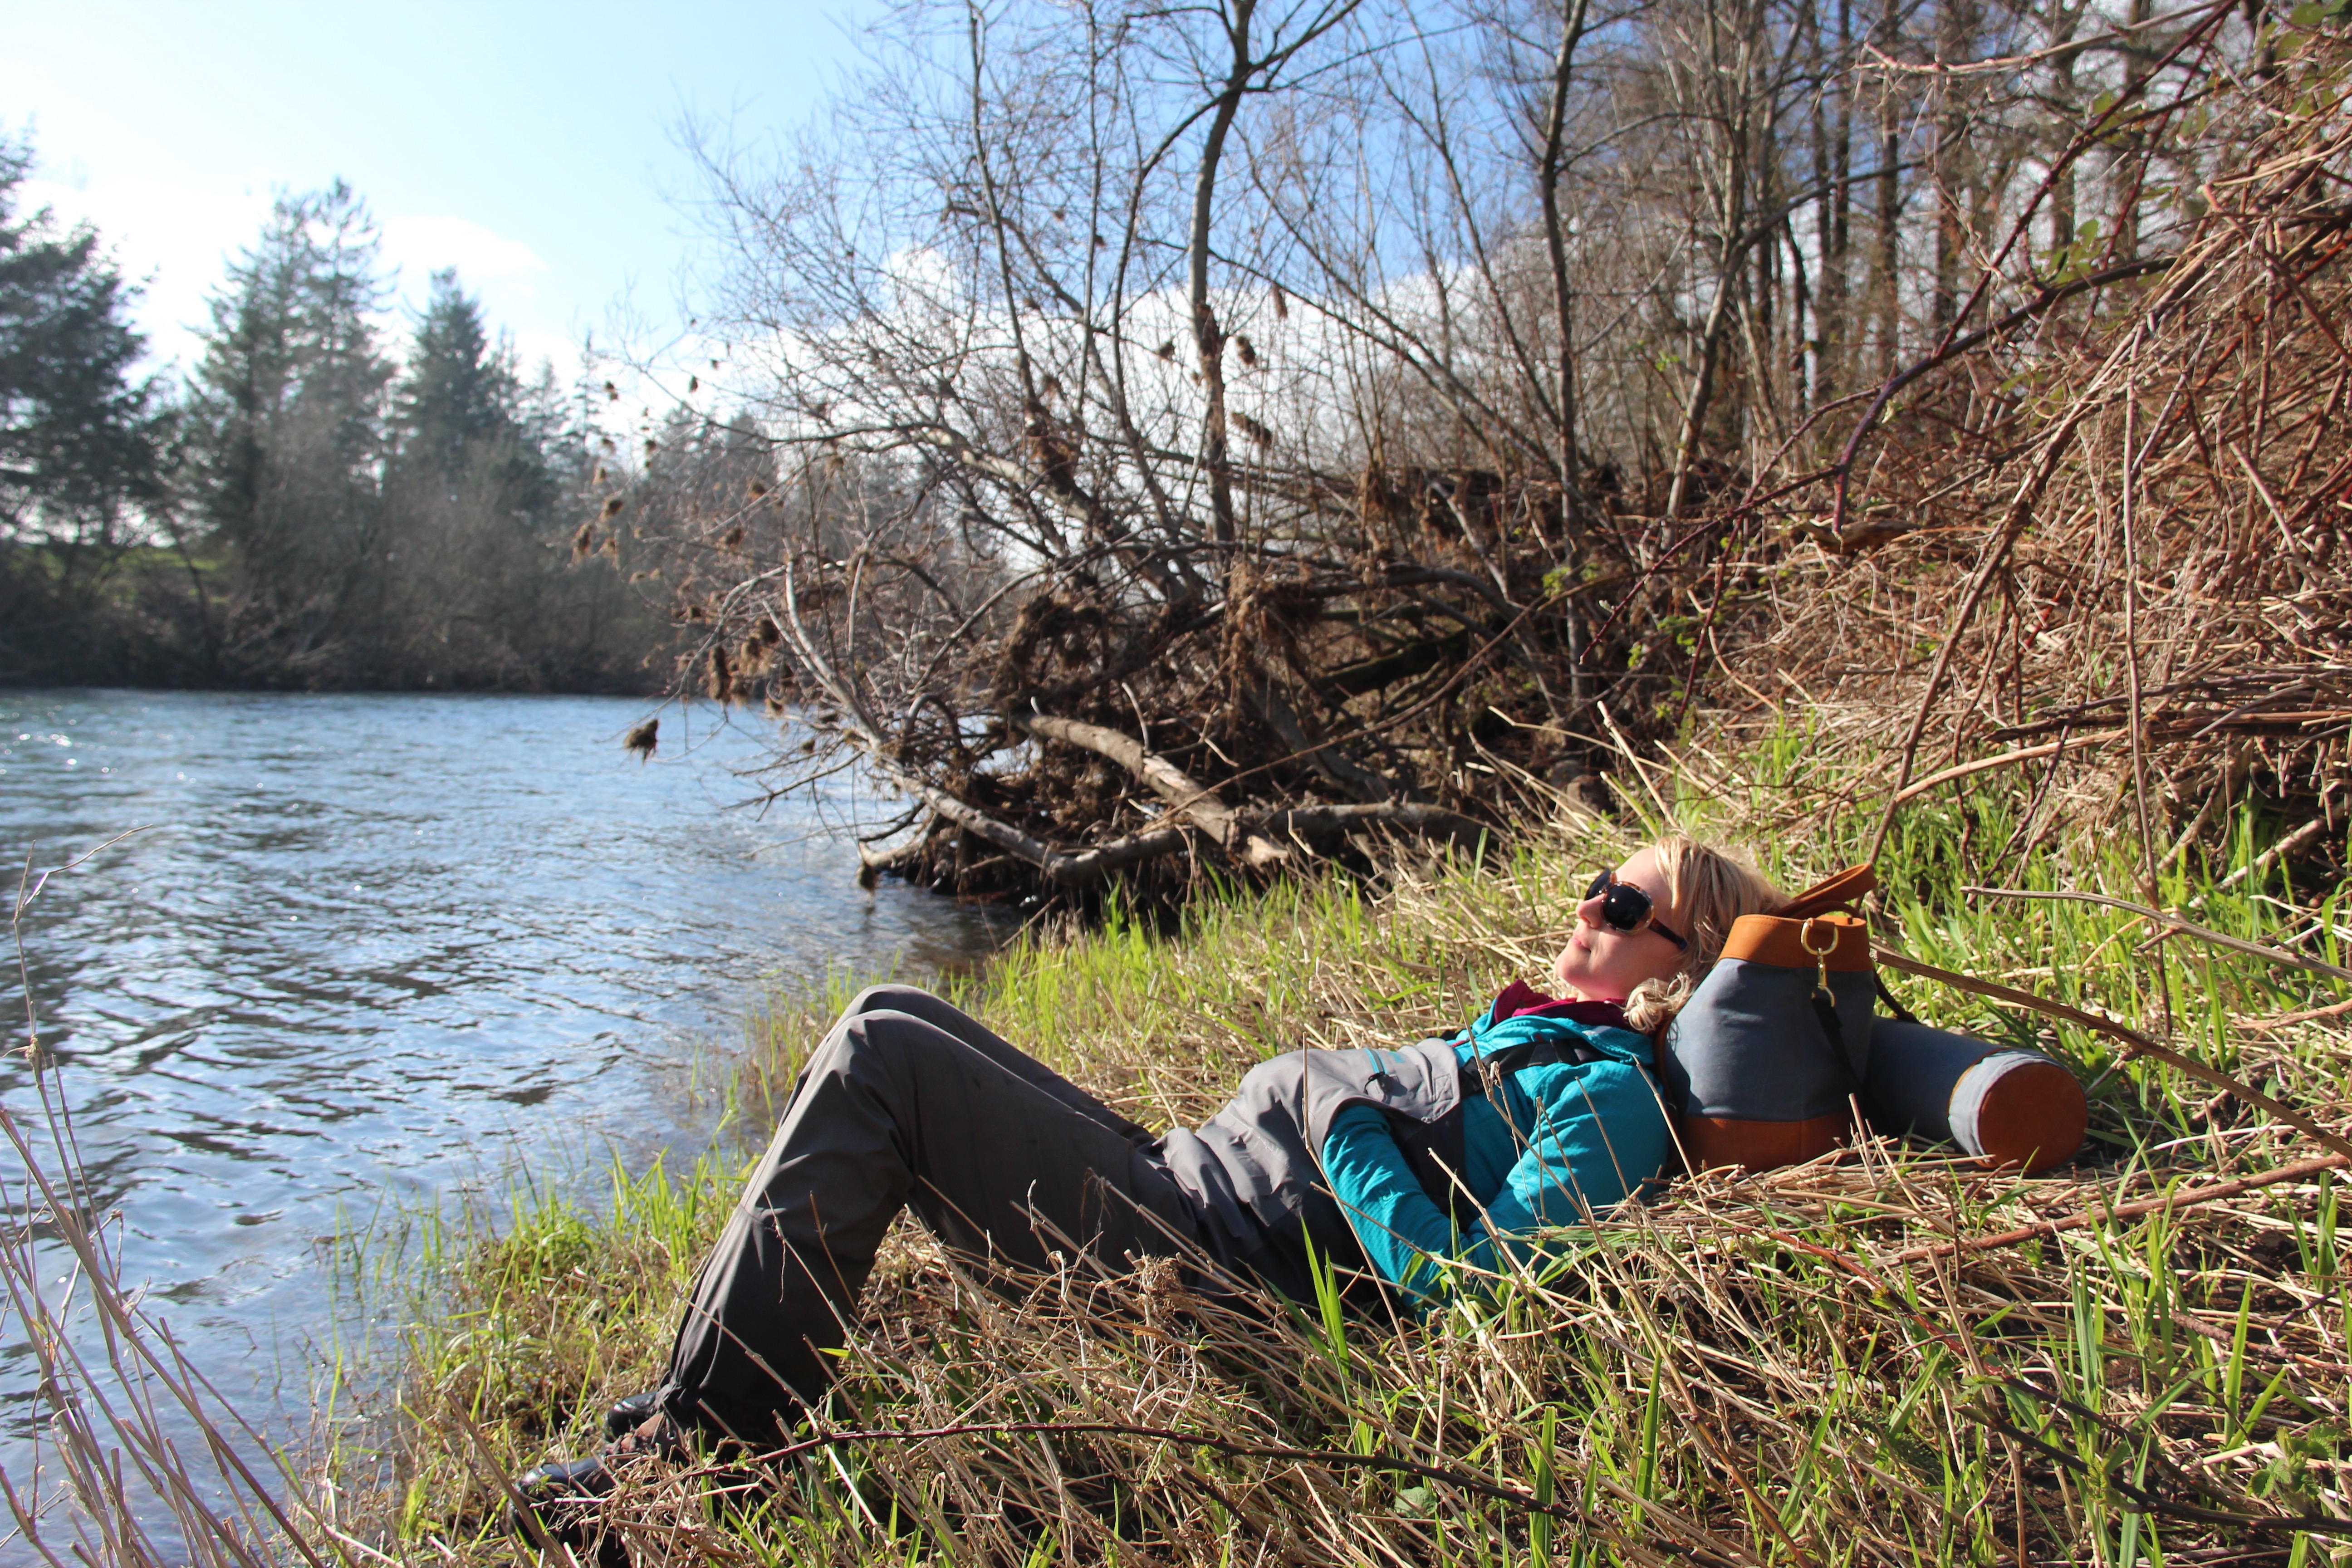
(385, 524)
(459, 389)
(80, 433)
(291, 396)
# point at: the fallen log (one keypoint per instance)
(1074, 867)
(1164, 779)
(1066, 868)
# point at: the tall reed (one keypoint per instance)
(133, 1456)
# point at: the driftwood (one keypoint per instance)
(1166, 779)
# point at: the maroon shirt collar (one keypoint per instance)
(1520, 1000)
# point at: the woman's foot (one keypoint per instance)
(627, 1415)
(559, 1501)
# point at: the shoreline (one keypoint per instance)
(562, 1314)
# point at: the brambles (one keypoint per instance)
(1881, 421)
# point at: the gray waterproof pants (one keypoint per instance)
(909, 1102)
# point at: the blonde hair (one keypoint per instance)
(1709, 889)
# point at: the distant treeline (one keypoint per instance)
(306, 509)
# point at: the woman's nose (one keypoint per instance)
(1589, 911)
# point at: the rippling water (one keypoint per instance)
(370, 946)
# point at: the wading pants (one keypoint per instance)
(909, 1102)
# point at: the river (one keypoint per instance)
(367, 949)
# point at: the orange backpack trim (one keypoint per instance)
(1781, 941)
(1709, 1141)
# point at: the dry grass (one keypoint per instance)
(1788, 1368)
(2102, 543)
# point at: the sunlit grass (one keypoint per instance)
(1764, 1370)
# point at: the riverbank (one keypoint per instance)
(1785, 1368)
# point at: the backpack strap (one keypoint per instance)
(1847, 887)
(1894, 1003)
(1825, 1011)
(1488, 1067)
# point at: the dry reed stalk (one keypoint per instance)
(110, 1478)
(2200, 611)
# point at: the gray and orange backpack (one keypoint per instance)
(1766, 1063)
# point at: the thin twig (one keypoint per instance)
(2187, 928)
(2139, 1044)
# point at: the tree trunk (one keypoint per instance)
(1208, 338)
(1573, 521)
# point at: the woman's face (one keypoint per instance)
(1601, 963)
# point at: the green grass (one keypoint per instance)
(1744, 1371)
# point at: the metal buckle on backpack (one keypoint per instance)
(1821, 954)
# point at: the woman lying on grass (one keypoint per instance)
(1542, 1113)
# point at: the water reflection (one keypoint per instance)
(373, 944)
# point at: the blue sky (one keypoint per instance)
(531, 145)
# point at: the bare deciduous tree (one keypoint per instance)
(1224, 430)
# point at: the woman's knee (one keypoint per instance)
(879, 1038)
(888, 998)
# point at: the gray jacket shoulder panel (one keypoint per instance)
(1265, 1144)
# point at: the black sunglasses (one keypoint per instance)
(1624, 907)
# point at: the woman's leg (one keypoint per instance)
(901, 1105)
(918, 1003)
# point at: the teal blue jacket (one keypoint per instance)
(1570, 1141)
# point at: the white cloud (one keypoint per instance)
(173, 240)
(422, 244)
(559, 349)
